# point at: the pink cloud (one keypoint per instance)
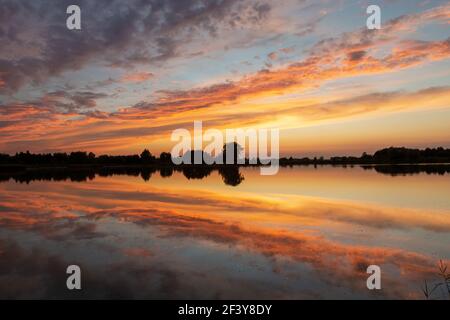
(137, 77)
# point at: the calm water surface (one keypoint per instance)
(306, 233)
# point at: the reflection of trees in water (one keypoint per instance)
(230, 174)
(166, 172)
(51, 175)
(196, 171)
(401, 170)
(147, 173)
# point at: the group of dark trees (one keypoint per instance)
(82, 158)
(390, 155)
(146, 158)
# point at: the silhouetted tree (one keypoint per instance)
(236, 150)
(78, 157)
(91, 157)
(165, 158)
(147, 157)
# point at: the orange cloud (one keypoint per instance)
(298, 76)
(137, 77)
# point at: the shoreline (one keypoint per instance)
(158, 165)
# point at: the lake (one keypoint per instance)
(305, 233)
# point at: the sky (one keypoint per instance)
(137, 70)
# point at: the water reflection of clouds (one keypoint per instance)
(77, 214)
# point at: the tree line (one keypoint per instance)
(83, 158)
(392, 155)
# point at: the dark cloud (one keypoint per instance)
(356, 55)
(83, 99)
(58, 102)
(35, 43)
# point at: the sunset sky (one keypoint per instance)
(140, 69)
